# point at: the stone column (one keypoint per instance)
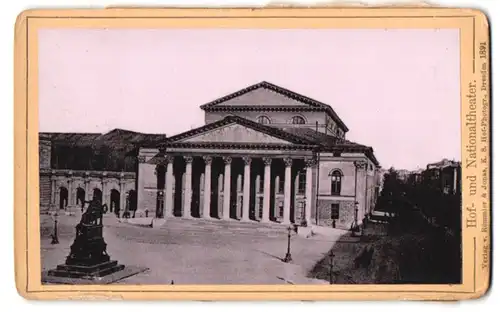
(53, 191)
(58, 199)
(88, 196)
(105, 197)
(227, 188)
(70, 192)
(256, 197)
(287, 191)
(360, 186)
(188, 192)
(308, 191)
(246, 189)
(140, 182)
(121, 208)
(169, 180)
(207, 190)
(276, 192)
(267, 189)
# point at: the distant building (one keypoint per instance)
(403, 174)
(415, 176)
(444, 175)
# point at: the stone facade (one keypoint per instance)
(62, 188)
(313, 120)
(68, 189)
(45, 151)
(344, 219)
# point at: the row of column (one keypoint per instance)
(227, 188)
(55, 192)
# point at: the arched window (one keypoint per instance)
(264, 120)
(336, 180)
(298, 120)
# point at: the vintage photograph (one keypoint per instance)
(212, 156)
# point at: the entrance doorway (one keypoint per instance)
(131, 202)
(97, 194)
(114, 201)
(63, 198)
(80, 197)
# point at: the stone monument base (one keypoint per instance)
(48, 277)
(87, 271)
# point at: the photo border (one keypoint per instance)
(474, 39)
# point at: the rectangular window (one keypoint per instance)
(302, 182)
(302, 211)
(261, 185)
(281, 187)
(336, 184)
(335, 211)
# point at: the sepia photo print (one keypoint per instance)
(250, 156)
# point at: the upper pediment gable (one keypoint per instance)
(234, 129)
(265, 95)
(262, 94)
(234, 133)
(262, 97)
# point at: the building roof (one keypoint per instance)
(96, 151)
(443, 164)
(311, 104)
(112, 138)
(332, 143)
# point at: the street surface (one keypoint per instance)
(190, 252)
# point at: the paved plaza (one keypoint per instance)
(190, 252)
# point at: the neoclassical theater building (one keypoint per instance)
(265, 154)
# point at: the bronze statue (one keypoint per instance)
(94, 212)
(88, 257)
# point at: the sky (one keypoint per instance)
(397, 90)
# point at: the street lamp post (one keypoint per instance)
(331, 266)
(354, 227)
(288, 256)
(55, 239)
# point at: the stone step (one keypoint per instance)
(230, 230)
(201, 227)
(222, 225)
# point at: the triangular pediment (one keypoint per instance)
(263, 94)
(237, 130)
(234, 133)
(262, 97)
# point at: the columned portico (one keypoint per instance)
(259, 188)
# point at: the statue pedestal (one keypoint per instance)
(87, 271)
(88, 258)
